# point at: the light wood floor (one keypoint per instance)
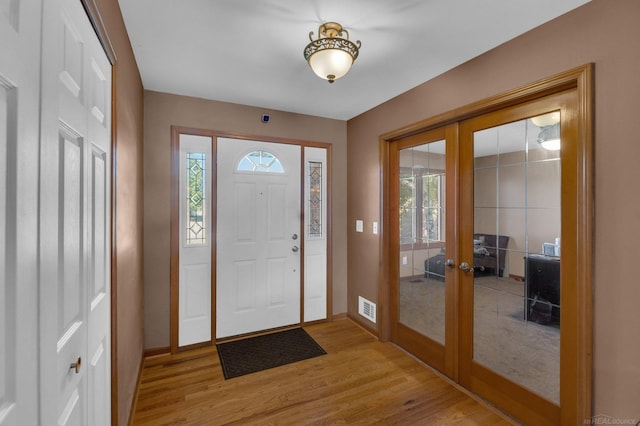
(359, 381)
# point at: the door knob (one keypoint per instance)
(450, 263)
(294, 249)
(468, 268)
(464, 266)
(76, 365)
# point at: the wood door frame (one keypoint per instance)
(576, 354)
(176, 131)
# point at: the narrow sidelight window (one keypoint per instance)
(196, 190)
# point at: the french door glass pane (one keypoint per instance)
(422, 245)
(517, 253)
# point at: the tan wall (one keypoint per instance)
(604, 32)
(128, 212)
(163, 110)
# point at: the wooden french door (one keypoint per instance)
(516, 196)
(423, 172)
(490, 230)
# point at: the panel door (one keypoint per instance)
(74, 219)
(258, 246)
(19, 97)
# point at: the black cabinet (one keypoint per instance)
(542, 282)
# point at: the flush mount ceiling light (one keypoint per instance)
(549, 137)
(331, 55)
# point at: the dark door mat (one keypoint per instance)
(268, 351)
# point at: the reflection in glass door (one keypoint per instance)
(516, 252)
(424, 271)
(422, 239)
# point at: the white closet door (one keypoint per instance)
(74, 220)
(19, 118)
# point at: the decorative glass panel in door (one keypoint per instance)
(516, 252)
(422, 239)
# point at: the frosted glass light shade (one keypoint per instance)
(330, 64)
(331, 55)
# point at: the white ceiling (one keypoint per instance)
(250, 51)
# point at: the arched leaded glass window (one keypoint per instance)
(260, 161)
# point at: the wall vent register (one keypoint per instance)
(367, 309)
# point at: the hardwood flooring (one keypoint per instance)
(360, 381)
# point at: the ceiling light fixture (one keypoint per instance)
(549, 137)
(330, 56)
(546, 119)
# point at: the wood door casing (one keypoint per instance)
(176, 131)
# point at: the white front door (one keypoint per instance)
(75, 248)
(194, 310)
(258, 236)
(19, 123)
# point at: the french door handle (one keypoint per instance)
(450, 263)
(464, 266)
(294, 249)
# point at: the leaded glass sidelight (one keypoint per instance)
(260, 161)
(196, 190)
(315, 199)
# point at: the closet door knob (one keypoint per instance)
(76, 365)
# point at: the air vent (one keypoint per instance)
(367, 309)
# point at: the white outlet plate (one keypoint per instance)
(375, 227)
(359, 226)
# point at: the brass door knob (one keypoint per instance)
(76, 365)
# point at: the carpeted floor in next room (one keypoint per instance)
(523, 351)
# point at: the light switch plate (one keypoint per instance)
(375, 227)
(359, 226)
